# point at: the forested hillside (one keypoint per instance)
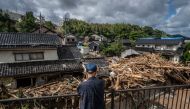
(80, 28)
(118, 30)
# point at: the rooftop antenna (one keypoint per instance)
(16, 9)
(66, 19)
(41, 18)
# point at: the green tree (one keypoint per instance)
(49, 25)
(186, 55)
(136, 34)
(148, 30)
(6, 24)
(27, 24)
(114, 49)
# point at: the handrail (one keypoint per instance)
(158, 87)
(36, 98)
(75, 94)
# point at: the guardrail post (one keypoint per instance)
(112, 98)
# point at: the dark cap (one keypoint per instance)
(90, 67)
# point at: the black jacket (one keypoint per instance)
(92, 94)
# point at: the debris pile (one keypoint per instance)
(147, 69)
(59, 87)
(135, 72)
(5, 93)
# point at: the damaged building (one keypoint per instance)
(22, 74)
(31, 59)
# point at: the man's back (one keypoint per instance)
(92, 94)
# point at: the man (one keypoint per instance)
(91, 90)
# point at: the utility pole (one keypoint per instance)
(64, 24)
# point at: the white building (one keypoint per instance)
(171, 48)
(98, 37)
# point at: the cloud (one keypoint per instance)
(180, 22)
(140, 12)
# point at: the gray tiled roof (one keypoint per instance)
(144, 49)
(14, 40)
(39, 67)
(101, 62)
(129, 52)
(66, 66)
(69, 52)
(95, 42)
(164, 52)
(126, 41)
(159, 41)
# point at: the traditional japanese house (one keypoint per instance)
(28, 59)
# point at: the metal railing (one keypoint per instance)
(70, 101)
(165, 97)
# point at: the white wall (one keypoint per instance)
(160, 47)
(176, 59)
(8, 56)
(84, 50)
(50, 55)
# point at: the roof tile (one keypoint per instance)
(12, 40)
(39, 67)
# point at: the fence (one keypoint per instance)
(165, 97)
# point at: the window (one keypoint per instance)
(18, 57)
(29, 56)
(36, 56)
(25, 57)
(73, 40)
(21, 57)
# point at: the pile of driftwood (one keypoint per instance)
(147, 69)
(58, 87)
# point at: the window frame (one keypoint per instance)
(30, 57)
(29, 54)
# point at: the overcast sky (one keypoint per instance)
(172, 16)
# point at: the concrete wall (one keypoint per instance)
(7, 56)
